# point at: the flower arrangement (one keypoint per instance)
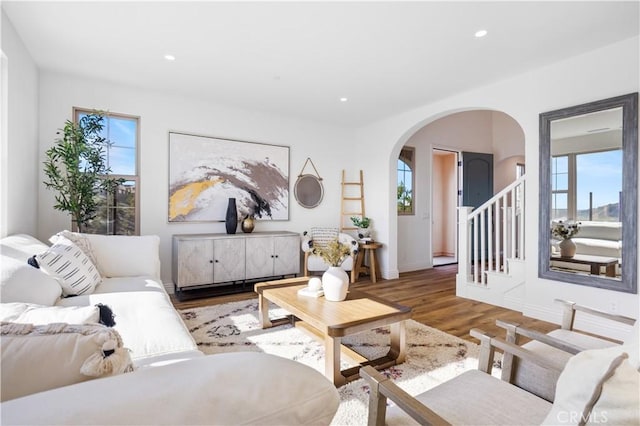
(565, 230)
(333, 253)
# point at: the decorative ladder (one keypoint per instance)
(352, 202)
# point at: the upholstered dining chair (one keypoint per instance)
(321, 236)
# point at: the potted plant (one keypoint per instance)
(362, 223)
(76, 168)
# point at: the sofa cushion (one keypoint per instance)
(21, 282)
(38, 358)
(611, 231)
(29, 313)
(68, 264)
(21, 247)
(224, 389)
(127, 256)
(591, 376)
(476, 398)
(145, 318)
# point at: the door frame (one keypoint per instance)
(458, 173)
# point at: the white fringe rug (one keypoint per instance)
(432, 355)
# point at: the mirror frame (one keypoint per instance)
(295, 190)
(628, 283)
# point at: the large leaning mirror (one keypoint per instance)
(588, 194)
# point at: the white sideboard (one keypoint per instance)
(200, 260)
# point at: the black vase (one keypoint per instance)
(231, 219)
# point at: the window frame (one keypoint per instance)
(412, 168)
(135, 178)
(572, 182)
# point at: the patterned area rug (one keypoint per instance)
(432, 356)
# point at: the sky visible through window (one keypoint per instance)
(600, 173)
(121, 155)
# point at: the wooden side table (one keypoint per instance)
(373, 268)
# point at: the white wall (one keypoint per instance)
(18, 177)
(328, 147)
(603, 73)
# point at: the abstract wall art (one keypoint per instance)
(204, 172)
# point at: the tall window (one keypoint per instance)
(587, 186)
(406, 164)
(118, 213)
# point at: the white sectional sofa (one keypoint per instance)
(216, 389)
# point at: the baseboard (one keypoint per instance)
(418, 266)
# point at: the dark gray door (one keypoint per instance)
(477, 178)
(477, 183)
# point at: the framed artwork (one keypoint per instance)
(204, 172)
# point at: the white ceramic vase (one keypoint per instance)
(567, 248)
(335, 283)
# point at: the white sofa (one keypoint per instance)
(220, 389)
(596, 239)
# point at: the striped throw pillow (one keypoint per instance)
(70, 266)
(323, 236)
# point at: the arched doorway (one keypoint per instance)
(475, 131)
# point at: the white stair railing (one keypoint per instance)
(491, 234)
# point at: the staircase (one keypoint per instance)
(491, 258)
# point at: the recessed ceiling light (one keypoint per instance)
(170, 57)
(344, 99)
(480, 33)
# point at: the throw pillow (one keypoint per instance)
(580, 386)
(83, 244)
(323, 236)
(65, 262)
(619, 402)
(20, 282)
(43, 357)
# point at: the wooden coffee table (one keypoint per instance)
(335, 320)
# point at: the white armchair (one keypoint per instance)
(321, 236)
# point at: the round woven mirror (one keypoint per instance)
(308, 191)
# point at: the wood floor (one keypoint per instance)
(431, 293)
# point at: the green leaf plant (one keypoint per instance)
(76, 169)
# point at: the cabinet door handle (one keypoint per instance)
(216, 260)
(211, 261)
(276, 256)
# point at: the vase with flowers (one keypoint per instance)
(335, 281)
(565, 231)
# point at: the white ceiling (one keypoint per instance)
(300, 58)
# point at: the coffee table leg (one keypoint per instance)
(263, 308)
(397, 350)
(332, 361)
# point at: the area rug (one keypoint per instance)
(432, 355)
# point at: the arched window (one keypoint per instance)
(406, 164)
